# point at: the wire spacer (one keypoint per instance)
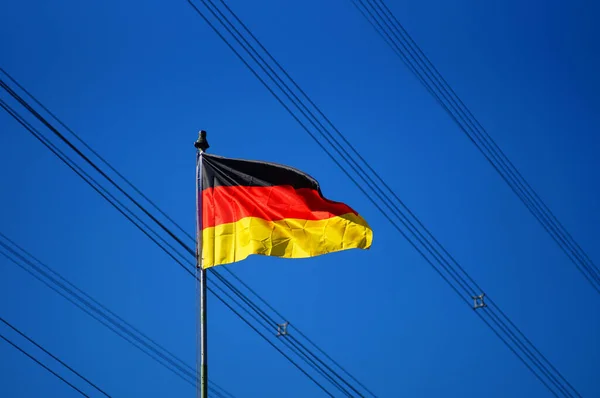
(478, 301)
(282, 329)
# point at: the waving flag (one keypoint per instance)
(252, 207)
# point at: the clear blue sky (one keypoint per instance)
(138, 79)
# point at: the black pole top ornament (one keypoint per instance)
(202, 143)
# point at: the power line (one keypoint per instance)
(85, 176)
(269, 323)
(89, 148)
(131, 216)
(59, 284)
(127, 213)
(226, 269)
(91, 163)
(262, 335)
(395, 35)
(55, 374)
(188, 249)
(100, 319)
(152, 203)
(54, 357)
(451, 271)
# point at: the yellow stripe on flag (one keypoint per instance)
(289, 238)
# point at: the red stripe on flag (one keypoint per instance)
(227, 204)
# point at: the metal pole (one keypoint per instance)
(201, 367)
(203, 373)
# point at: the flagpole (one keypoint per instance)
(201, 366)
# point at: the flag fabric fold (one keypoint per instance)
(253, 207)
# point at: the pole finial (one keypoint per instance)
(202, 143)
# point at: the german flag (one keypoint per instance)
(252, 207)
